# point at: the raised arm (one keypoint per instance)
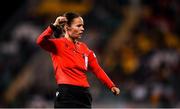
(100, 74)
(45, 40)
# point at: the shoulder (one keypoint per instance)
(61, 39)
(85, 47)
(82, 44)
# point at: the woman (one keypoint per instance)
(71, 60)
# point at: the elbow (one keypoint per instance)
(96, 70)
(38, 41)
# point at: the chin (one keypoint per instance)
(77, 37)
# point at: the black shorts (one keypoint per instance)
(69, 96)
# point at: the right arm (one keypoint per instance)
(45, 41)
(100, 74)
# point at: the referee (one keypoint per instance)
(71, 60)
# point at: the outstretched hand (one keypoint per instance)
(115, 90)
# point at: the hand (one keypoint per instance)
(60, 20)
(115, 90)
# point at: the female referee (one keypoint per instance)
(71, 59)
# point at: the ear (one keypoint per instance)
(66, 27)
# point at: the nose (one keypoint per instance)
(82, 28)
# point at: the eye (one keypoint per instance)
(79, 25)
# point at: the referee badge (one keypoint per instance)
(85, 60)
(94, 55)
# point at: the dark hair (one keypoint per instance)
(70, 16)
(60, 30)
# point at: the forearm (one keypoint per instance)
(101, 75)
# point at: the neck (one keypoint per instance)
(70, 38)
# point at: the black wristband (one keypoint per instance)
(57, 30)
(54, 28)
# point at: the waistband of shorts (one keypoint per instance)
(69, 86)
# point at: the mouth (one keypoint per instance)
(80, 33)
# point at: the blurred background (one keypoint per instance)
(137, 43)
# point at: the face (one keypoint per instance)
(76, 29)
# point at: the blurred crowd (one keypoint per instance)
(148, 62)
(142, 56)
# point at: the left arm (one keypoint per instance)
(100, 74)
